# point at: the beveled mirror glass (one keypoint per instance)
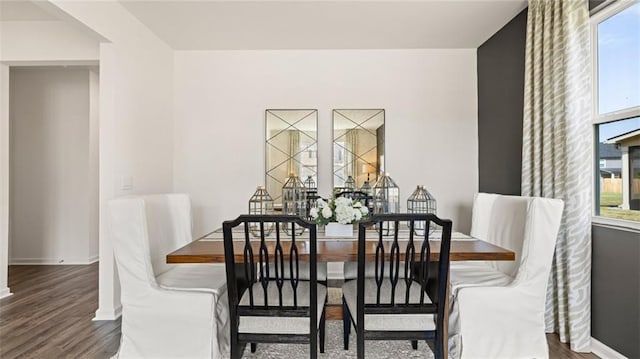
(358, 146)
(290, 148)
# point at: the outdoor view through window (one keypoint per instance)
(618, 123)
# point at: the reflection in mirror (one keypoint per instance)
(358, 147)
(290, 148)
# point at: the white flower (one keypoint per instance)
(344, 212)
(326, 212)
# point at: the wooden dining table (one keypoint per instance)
(210, 249)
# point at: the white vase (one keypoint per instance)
(335, 229)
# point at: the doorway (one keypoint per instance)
(53, 165)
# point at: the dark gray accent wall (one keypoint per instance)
(500, 104)
(616, 253)
(615, 292)
(594, 3)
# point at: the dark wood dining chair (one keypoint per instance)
(278, 307)
(406, 297)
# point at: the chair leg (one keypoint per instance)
(233, 351)
(360, 344)
(254, 346)
(313, 336)
(322, 327)
(237, 347)
(414, 344)
(438, 353)
(313, 343)
(237, 350)
(359, 327)
(438, 350)
(346, 324)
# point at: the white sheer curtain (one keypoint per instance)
(294, 155)
(556, 154)
(352, 147)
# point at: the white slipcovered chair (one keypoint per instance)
(168, 310)
(497, 308)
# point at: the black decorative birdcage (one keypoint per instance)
(386, 199)
(310, 185)
(421, 201)
(312, 194)
(366, 188)
(294, 201)
(350, 184)
(261, 203)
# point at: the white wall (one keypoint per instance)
(38, 41)
(4, 179)
(50, 178)
(94, 155)
(140, 70)
(220, 98)
(136, 140)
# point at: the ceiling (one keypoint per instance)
(23, 10)
(304, 24)
(266, 24)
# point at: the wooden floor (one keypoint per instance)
(49, 316)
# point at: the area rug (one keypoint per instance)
(334, 347)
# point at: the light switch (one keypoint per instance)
(126, 183)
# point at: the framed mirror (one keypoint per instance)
(291, 147)
(358, 147)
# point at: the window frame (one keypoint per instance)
(601, 14)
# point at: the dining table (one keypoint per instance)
(210, 249)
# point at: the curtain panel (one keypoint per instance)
(294, 152)
(352, 154)
(556, 153)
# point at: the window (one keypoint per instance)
(339, 165)
(616, 49)
(308, 165)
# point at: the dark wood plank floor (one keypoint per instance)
(49, 316)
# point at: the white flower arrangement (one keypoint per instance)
(342, 210)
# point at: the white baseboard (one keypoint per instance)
(604, 351)
(5, 292)
(109, 314)
(53, 261)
